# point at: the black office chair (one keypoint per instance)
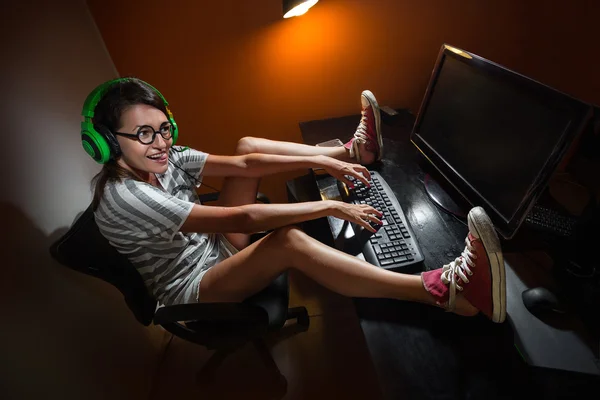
(218, 326)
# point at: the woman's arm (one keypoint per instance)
(252, 218)
(257, 165)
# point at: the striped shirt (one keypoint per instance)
(142, 222)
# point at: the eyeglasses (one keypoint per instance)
(146, 134)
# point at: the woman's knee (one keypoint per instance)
(287, 246)
(247, 145)
(289, 237)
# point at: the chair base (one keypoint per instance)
(207, 373)
(301, 315)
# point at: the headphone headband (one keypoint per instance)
(96, 95)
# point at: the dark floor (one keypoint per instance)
(330, 360)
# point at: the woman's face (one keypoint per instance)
(136, 156)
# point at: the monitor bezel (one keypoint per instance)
(506, 228)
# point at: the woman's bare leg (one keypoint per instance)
(239, 191)
(266, 146)
(253, 268)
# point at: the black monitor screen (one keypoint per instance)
(493, 133)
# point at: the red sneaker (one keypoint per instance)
(478, 273)
(369, 129)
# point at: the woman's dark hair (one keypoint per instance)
(117, 99)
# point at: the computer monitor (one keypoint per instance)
(495, 135)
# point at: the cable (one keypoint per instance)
(187, 173)
(460, 220)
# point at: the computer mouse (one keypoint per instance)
(542, 302)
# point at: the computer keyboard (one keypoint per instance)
(550, 221)
(394, 245)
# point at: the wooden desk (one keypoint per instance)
(420, 351)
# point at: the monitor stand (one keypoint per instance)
(442, 197)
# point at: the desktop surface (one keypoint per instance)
(400, 168)
(420, 351)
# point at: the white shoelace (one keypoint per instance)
(460, 266)
(360, 136)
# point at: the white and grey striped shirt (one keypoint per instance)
(142, 222)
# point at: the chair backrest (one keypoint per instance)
(84, 249)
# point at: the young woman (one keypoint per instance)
(146, 206)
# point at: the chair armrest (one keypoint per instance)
(262, 198)
(208, 197)
(214, 325)
(211, 312)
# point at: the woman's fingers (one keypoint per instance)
(371, 210)
(363, 221)
(363, 214)
(362, 175)
(363, 171)
(369, 216)
(355, 171)
(347, 181)
(375, 218)
(368, 226)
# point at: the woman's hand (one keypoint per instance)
(339, 169)
(360, 214)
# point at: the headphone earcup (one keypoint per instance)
(111, 140)
(175, 131)
(94, 143)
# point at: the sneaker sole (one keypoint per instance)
(479, 222)
(371, 98)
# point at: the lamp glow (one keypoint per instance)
(297, 8)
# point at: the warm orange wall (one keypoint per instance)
(232, 68)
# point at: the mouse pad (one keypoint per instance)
(328, 187)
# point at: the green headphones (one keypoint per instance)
(97, 140)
